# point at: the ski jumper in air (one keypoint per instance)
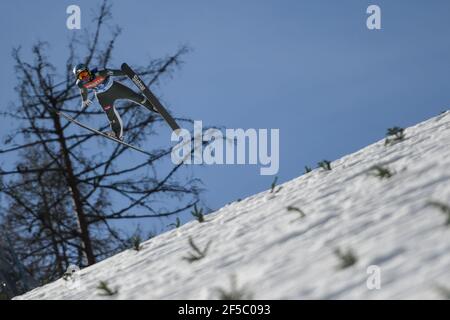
(107, 92)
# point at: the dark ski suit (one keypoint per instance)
(107, 92)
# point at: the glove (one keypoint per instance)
(85, 103)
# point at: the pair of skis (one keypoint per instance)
(148, 94)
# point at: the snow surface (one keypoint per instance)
(275, 254)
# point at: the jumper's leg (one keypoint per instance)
(106, 100)
(123, 92)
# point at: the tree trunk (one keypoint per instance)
(48, 224)
(76, 195)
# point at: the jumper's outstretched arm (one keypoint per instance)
(84, 94)
(84, 97)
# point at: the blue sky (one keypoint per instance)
(308, 67)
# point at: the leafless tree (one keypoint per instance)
(68, 184)
(13, 277)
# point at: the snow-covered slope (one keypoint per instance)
(276, 254)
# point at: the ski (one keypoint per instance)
(150, 96)
(69, 118)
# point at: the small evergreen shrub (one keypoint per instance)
(381, 172)
(297, 210)
(346, 259)
(273, 187)
(105, 290)
(234, 293)
(196, 254)
(394, 135)
(444, 208)
(198, 214)
(325, 165)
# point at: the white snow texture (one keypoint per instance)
(275, 253)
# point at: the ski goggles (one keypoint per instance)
(83, 74)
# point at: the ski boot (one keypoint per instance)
(112, 134)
